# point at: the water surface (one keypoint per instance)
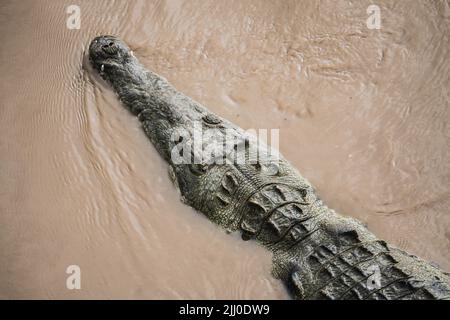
(363, 114)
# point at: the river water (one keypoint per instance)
(363, 113)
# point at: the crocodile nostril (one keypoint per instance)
(110, 48)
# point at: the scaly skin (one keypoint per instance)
(317, 253)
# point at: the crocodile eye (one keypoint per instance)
(211, 119)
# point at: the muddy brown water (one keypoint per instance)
(363, 114)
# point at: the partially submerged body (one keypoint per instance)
(318, 254)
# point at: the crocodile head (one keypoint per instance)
(140, 90)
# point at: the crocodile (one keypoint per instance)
(317, 253)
